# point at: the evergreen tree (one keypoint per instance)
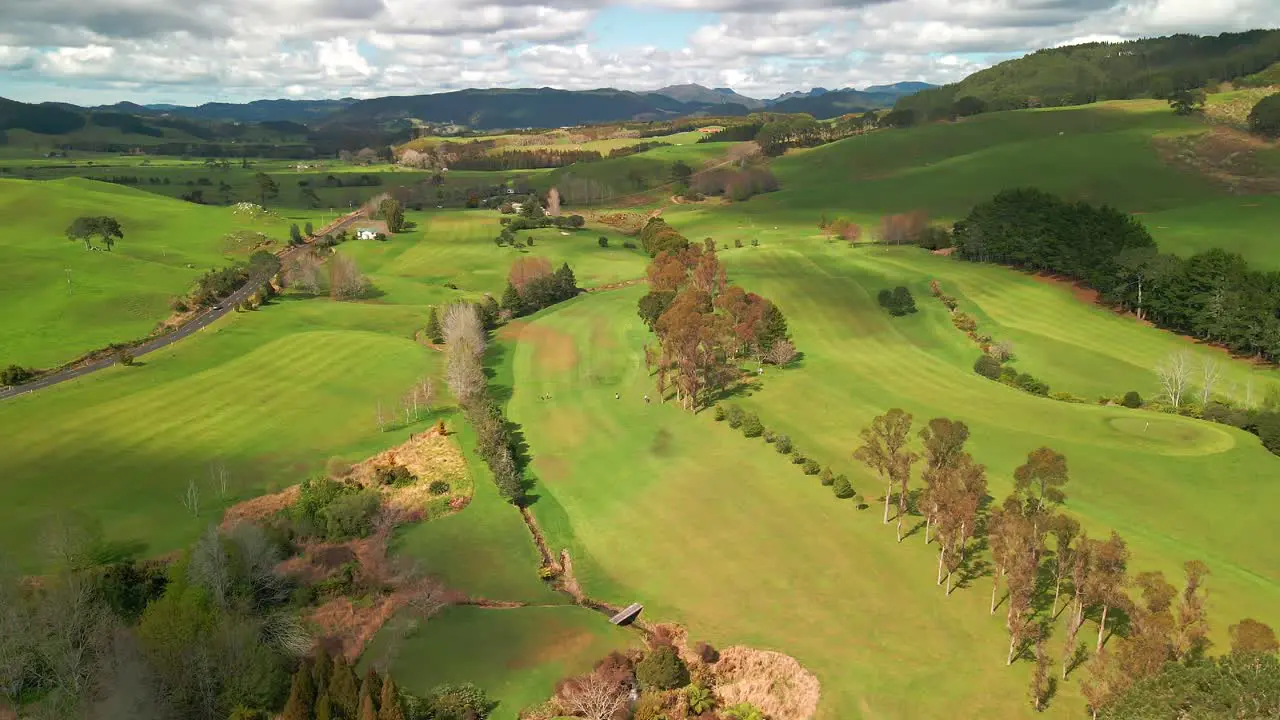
(295, 235)
(511, 300)
(433, 330)
(302, 695)
(489, 312)
(392, 709)
(324, 707)
(367, 710)
(309, 229)
(773, 328)
(343, 688)
(372, 686)
(566, 284)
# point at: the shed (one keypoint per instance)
(366, 234)
(627, 615)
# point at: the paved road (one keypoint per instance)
(192, 327)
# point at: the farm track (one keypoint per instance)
(196, 324)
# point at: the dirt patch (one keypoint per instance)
(616, 286)
(259, 508)
(774, 682)
(944, 251)
(551, 467)
(1225, 156)
(552, 349)
(431, 457)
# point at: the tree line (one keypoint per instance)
(1044, 565)
(704, 324)
(1211, 295)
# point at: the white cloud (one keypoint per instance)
(156, 50)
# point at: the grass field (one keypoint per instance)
(660, 506)
(62, 301)
(770, 558)
(516, 655)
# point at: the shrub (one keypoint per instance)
(1132, 399)
(1067, 397)
(842, 488)
(987, 366)
(798, 459)
(1030, 384)
(15, 375)
(124, 357)
(706, 652)
(737, 243)
(964, 322)
(662, 669)
(826, 477)
(1008, 376)
(351, 515)
(628, 245)
(860, 502)
(438, 487)
(751, 426)
(603, 241)
(1269, 431)
(396, 475)
(811, 467)
(769, 435)
(650, 706)
(782, 443)
(1264, 119)
(718, 413)
(735, 416)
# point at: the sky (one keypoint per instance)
(193, 51)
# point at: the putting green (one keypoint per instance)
(1173, 435)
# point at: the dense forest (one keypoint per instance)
(1080, 74)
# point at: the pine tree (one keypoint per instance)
(295, 235)
(566, 283)
(302, 695)
(367, 711)
(489, 311)
(324, 707)
(309, 229)
(511, 300)
(343, 688)
(321, 671)
(372, 686)
(433, 331)
(391, 706)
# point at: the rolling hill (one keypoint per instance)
(1079, 74)
(692, 93)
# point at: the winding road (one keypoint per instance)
(191, 327)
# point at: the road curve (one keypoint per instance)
(191, 327)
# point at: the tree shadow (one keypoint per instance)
(914, 530)
(1078, 656)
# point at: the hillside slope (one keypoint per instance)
(1078, 74)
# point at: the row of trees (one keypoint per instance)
(337, 274)
(1047, 565)
(463, 330)
(703, 324)
(1212, 295)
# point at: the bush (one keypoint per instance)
(438, 487)
(628, 245)
(751, 426)
(603, 241)
(718, 413)
(769, 435)
(662, 669)
(859, 501)
(735, 416)
(1269, 431)
(15, 375)
(1009, 376)
(798, 459)
(1132, 399)
(987, 366)
(1026, 382)
(842, 488)
(650, 706)
(395, 475)
(706, 652)
(737, 243)
(782, 443)
(1264, 119)
(827, 477)
(351, 515)
(811, 467)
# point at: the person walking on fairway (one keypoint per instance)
(617, 396)
(646, 399)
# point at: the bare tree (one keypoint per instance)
(461, 325)
(208, 567)
(1210, 373)
(463, 373)
(17, 651)
(346, 282)
(1174, 373)
(553, 203)
(191, 498)
(593, 696)
(303, 273)
(782, 353)
(220, 477)
(1002, 351)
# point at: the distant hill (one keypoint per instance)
(835, 103)
(298, 111)
(711, 96)
(1079, 74)
(798, 94)
(899, 88)
(495, 109)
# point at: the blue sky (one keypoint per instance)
(104, 51)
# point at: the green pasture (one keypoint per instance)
(722, 533)
(517, 655)
(61, 300)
